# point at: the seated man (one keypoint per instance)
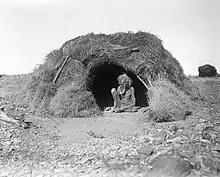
(124, 98)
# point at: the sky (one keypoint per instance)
(30, 29)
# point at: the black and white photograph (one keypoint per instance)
(109, 88)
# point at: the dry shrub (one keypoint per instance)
(73, 101)
(10, 88)
(167, 102)
(12, 84)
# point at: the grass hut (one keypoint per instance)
(76, 79)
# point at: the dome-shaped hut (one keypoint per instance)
(77, 78)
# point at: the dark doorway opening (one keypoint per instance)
(104, 77)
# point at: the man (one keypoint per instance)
(124, 98)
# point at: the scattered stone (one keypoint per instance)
(176, 140)
(183, 168)
(5, 174)
(160, 137)
(163, 165)
(165, 149)
(188, 113)
(146, 150)
(95, 135)
(217, 140)
(206, 135)
(174, 128)
(6, 145)
(209, 163)
(200, 127)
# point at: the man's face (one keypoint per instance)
(122, 82)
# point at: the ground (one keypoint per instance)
(122, 144)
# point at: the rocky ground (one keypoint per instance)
(123, 144)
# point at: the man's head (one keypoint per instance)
(124, 80)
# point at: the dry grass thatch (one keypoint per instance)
(141, 54)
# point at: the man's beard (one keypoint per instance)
(121, 89)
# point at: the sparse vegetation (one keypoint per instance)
(10, 87)
(167, 102)
(12, 83)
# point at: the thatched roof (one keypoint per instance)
(138, 54)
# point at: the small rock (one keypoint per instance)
(197, 166)
(133, 153)
(188, 154)
(62, 163)
(157, 142)
(177, 140)
(183, 168)
(188, 113)
(217, 140)
(6, 145)
(206, 135)
(143, 138)
(163, 166)
(5, 174)
(200, 126)
(95, 135)
(123, 153)
(174, 128)
(146, 150)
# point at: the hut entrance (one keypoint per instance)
(104, 77)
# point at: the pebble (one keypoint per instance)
(62, 163)
(200, 126)
(206, 135)
(146, 150)
(217, 140)
(5, 174)
(6, 145)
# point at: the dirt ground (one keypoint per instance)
(122, 144)
(108, 125)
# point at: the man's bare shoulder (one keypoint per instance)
(132, 88)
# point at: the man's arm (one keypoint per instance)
(133, 100)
